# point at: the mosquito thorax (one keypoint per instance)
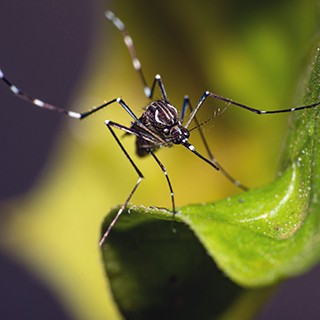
(162, 118)
(161, 114)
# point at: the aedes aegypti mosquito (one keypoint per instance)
(160, 125)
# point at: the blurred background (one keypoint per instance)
(59, 177)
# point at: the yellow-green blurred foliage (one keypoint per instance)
(250, 51)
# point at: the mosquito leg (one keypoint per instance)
(77, 115)
(237, 183)
(119, 101)
(132, 51)
(158, 80)
(148, 138)
(111, 124)
(196, 109)
(213, 163)
(168, 180)
(124, 205)
(207, 94)
(186, 103)
(135, 60)
(35, 101)
(136, 64)
(259, 111)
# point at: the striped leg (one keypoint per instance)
(207, 94)
(76, 115)
(35, 101)
(164, 170)
(135, 60)
(111, 125)
(216, 165)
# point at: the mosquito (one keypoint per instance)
(160, 125)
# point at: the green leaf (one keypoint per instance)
(256, 238)
(156, 273)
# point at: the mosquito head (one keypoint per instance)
(179, 134)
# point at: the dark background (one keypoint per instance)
(40, 40)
